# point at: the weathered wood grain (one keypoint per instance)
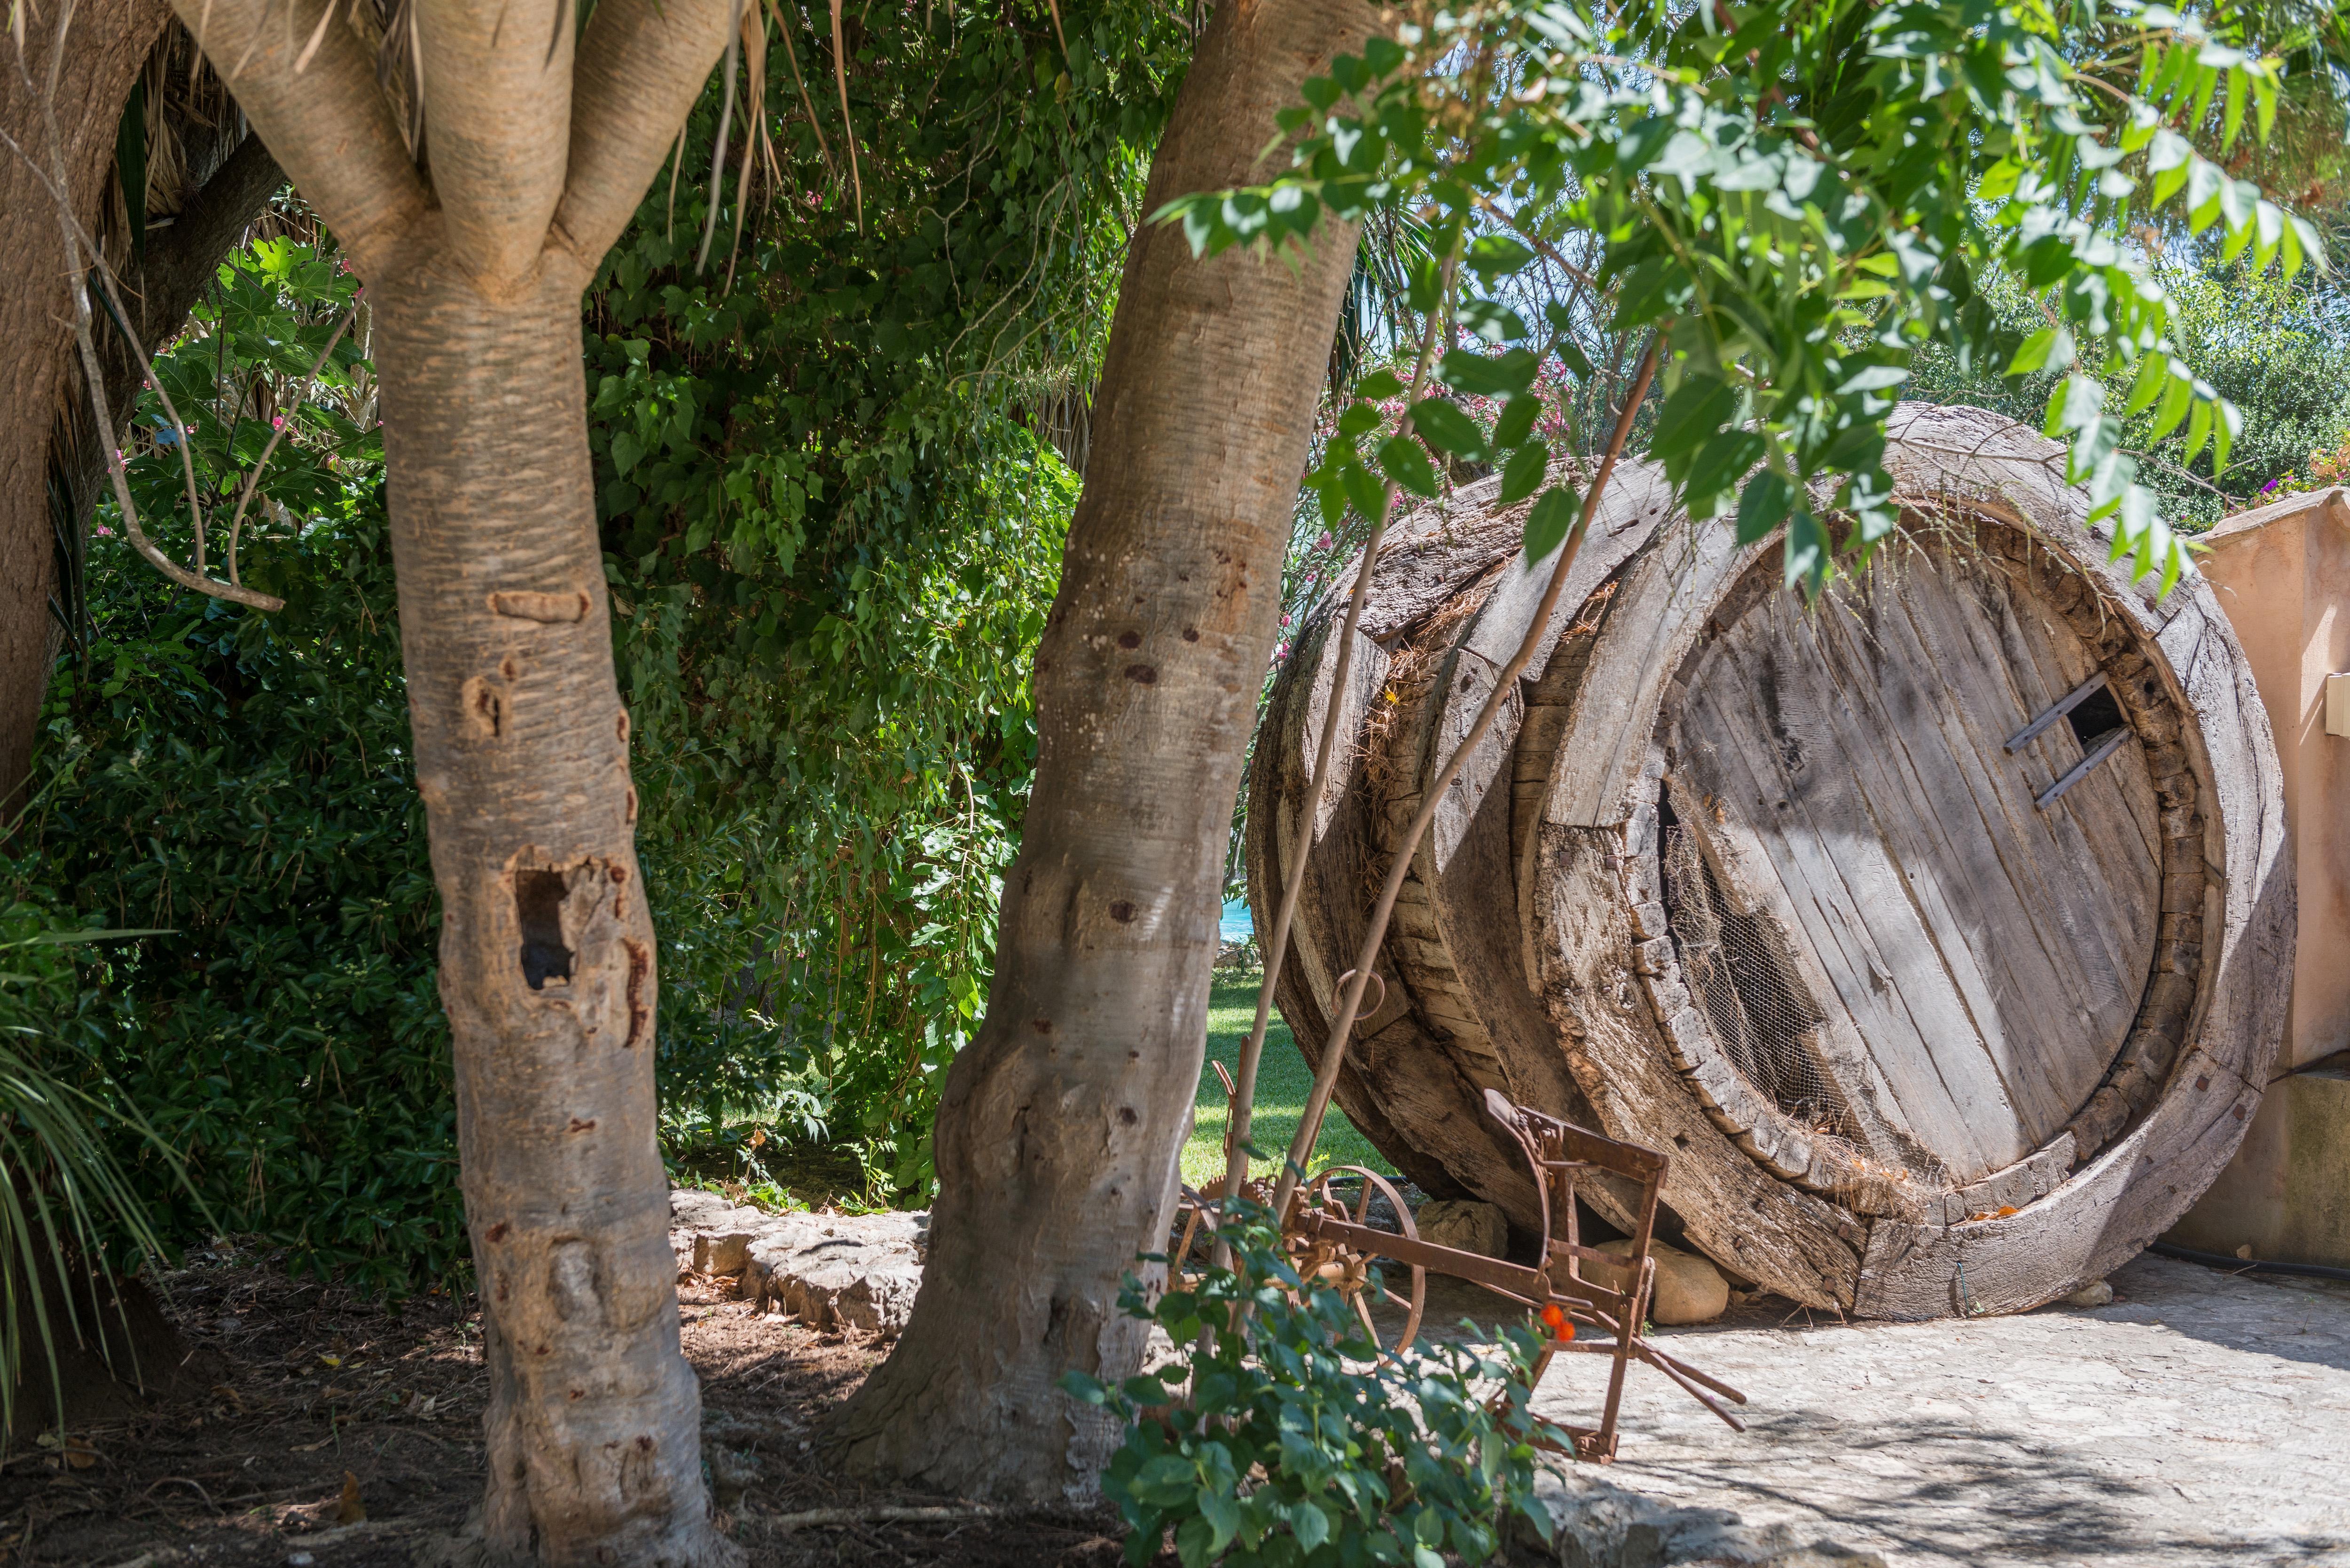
(2106, 975)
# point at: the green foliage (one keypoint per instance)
(243, 782)
(832, 532)
(65, 1201)
(2278, 350)
(833, 526)
(1795, 197)
(1288, 1440)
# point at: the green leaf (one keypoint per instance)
(1874, 378)
(1548, 523)
(1719, 465)
(2199, 431)
(2177, 398)
(1489, 374)
(1405, 461)
(2148, 384)
(1491, 256)
(1806, 550)
(2049, 344)
(1309, 1524)
(1361, 418)
(1195, 1542)
(1522, 474)
(1378, 386)
(1220, 1508)
(1444, 427)
(1764, 505)
(1693, 412)
(1517, 421)
(1168, 1481)
(2078, 400)
(1366, 490)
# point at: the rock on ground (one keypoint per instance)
(1463, 1223)
(830, 1270)
(1689, 1289)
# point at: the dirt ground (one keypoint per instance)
(313, 1430)
(2200, 1418)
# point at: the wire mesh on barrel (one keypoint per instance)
(1766, 1026)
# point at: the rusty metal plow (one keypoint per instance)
(1330, 1239)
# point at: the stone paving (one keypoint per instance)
(2200, 1418)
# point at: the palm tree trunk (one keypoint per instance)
(103, 56)
(547, 945)
(1059, 1127)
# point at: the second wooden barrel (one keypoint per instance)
(1938, 930)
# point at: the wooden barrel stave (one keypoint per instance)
(1577, 998)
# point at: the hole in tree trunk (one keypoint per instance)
(538, 902)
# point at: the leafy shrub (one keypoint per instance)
(1291, 1443)
(65, 1201)
(831, 537)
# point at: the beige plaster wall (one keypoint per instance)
(2282, 573)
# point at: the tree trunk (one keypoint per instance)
(1059, 1128)
(103, 55)
(159, 289)
(547, 945)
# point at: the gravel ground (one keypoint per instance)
(2200, 1418)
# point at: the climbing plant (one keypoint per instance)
(1794, 197)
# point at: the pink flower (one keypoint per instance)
(1324, 542)
(1285, 621)
(277, 422)
(104, 532)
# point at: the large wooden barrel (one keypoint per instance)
(1941, 1003)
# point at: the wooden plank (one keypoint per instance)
(1757, 736)
(2057, 709)
(2067, 901)
(1406, 1096)
(1735, 1211)
(1657, 616)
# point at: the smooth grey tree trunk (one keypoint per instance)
(1059, 1128)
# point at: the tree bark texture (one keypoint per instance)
(547, 945)
(104, 51)
(1059, 1128)
(593, 1426)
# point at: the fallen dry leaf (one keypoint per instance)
(349, 1508)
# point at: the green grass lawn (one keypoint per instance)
(1281, 1089)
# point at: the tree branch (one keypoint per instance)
(498, 81)
(328, 122)
(640, 67)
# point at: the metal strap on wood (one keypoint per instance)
(2105, 746)
(2063, 705)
